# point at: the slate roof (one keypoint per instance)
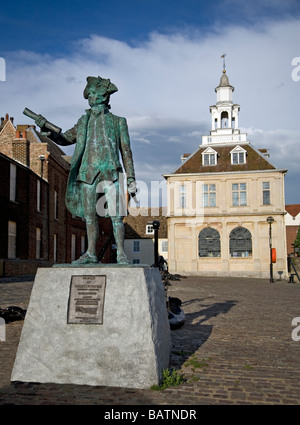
(254, 160)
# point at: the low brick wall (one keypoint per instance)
(21, 267)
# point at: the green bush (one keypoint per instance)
(297, 240)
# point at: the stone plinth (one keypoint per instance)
(130, 348)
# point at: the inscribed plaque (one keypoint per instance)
(86, 300)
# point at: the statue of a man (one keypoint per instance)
(100, 137)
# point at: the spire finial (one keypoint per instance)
(224, 67)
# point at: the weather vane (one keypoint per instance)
(223, 57)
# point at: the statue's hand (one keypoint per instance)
(40, 122)
(131, 187)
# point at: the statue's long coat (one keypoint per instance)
(116, 133)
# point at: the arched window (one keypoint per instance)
(224, 119)
(240, 242)
(209, 243)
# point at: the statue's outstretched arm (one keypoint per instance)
(51, 130)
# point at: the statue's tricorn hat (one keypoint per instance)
(101, 83)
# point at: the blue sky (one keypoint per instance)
(165, 58)
(53, 26)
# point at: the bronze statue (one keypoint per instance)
(100, 137)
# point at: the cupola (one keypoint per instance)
(224, 115)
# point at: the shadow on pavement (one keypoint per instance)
(194, 333)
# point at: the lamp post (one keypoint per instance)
(156, 225)
(270, 220)
(42, 159)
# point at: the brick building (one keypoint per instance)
(36, 228)
(292, 223)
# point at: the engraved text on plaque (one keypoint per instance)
(86, 299)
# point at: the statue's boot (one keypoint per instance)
(86, 258)
(118, 229)
(122, 258)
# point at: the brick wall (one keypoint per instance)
(291, 233)
(20, 150)
(26, 146)
(7, 134)
(21, 267)
(38, 150)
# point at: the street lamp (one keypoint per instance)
(42, 159)
(270, 220)
(156, 225)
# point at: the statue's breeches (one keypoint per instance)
(103, 198)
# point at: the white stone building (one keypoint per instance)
(219, 199)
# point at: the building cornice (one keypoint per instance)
(223, 173)
(233, 214)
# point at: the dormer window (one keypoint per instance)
(238, 156)
(149, 229)
(209, 157)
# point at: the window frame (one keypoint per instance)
(12, 182)
(82, 244)
(55, 247)
(136, 246)
(240, 153)
(209, 153)
(149, 229)
(238, 234)
(182, 196)
(38, 243)
(55, 205)
(208, 238)
(12, 231)
(38, 195)
(211, 159)
(73, 246)
(163, 245)
(239, 191)
(265, 191)
(210, 199)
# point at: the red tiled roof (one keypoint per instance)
(293, 209)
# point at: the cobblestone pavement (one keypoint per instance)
(235, 347)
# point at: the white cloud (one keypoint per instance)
(282, 145)
(166, 86)
(137, 138)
